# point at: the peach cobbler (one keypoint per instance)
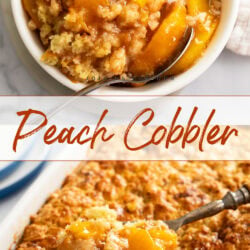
(121, 205)
(96, 39)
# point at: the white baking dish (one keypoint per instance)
(51, 179)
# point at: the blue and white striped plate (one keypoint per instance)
(15, 175)
(23, 175)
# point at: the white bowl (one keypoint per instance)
(165, 87)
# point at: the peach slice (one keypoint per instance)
(91, 8)
(85, 229)
(139, 239)
(164, 42)
(197, 47)
(154, 239)
(30, 7)
(204, 31)
(167, 239)
(90, 5)
(141, 3)
(197, 6)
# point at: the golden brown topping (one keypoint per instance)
(92, 40)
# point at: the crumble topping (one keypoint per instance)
(92, 40)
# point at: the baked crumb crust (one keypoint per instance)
(93, 40)
(148, 190)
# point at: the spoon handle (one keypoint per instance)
(96, 85)
(84, 91)
(232, 200)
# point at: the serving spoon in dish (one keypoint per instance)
(232, 200)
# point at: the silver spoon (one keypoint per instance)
(232, 200)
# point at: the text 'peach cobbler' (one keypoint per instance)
(97, 39)
(122, 206)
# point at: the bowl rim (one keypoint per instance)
(149, 92)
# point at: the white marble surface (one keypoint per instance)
(230, 75)
(14, 79)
